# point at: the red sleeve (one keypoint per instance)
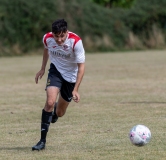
(46, 36)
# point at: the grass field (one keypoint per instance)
(118, 91)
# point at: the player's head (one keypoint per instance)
(59, 30)
(59, 26)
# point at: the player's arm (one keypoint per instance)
(80, 74)
(44, 63)
(80, 59)
(45, 59)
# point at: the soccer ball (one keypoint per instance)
(140, 135)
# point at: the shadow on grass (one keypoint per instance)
(16, 148)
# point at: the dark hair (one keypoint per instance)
(59, 26)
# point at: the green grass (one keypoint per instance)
(118, 91)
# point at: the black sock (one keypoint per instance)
(55, 117)
(45, 123)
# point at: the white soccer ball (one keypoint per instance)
(140, 135)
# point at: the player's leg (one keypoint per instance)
(46, 118)
(54, 83)
(54, 115)
(52, 93)
(59, 109)
(61, 106)
(65, 98)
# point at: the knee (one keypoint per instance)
(49, 105)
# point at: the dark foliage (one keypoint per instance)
(23, 23)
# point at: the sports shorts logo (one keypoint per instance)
(70, 98)
(48, 82)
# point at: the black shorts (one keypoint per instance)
(56, 79)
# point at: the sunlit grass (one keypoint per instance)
(118, 91)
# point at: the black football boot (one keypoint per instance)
(39, 146)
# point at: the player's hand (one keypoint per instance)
(39, 75)
(76, 96)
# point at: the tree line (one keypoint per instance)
(138, 24)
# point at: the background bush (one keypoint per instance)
(23, 24)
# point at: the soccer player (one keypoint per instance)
(67, 57)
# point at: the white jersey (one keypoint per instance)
(65, 57)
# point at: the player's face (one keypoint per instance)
(60, 37)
